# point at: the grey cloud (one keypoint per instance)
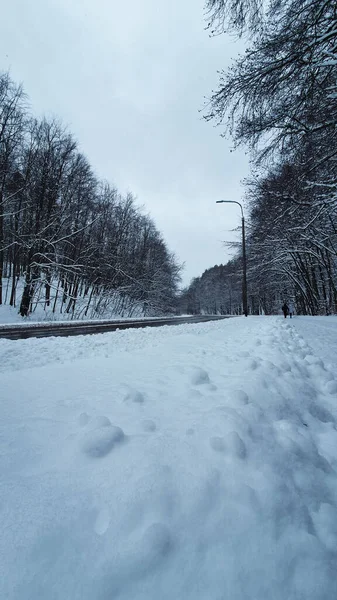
(129, 80)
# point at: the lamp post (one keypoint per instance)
(244, 260)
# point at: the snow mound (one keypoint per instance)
(102, 521)
(98, 442)
(199, 376)
(99, 421)
(134, 396)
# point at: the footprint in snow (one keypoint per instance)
(233, 444)
(239, 397)
(285, 367)
(83, 419)
(236, 445)
(156, 543)
(272, 367)
(244, 354)
(319, 412)
(325, 525)
(194, 394)
(253, 365)
(313, 360)
(218, 444)
(148, 425)
(210, 387)
(143, 557)
(331, 387)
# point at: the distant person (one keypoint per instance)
(291, 309)
(285, 309)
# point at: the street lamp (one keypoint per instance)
(244, 260)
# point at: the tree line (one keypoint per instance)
(279, 99)
(217, 291)
(68, 241)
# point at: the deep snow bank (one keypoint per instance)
(193, 462)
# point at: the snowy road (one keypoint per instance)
(197, 462)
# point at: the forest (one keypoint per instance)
(279, 101)
(71, 244)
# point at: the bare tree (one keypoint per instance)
(80, 246)
(11, 130)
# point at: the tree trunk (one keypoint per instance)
(1, 244)
(48, 287)
(26, 297)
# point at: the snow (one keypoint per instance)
(10, 318)
(100, 440)
(108, 308)
(10, 315)
(196, 461)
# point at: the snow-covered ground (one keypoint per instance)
(196, 462)
(11, 316)
(111, 307)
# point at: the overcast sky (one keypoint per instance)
(129, 79)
